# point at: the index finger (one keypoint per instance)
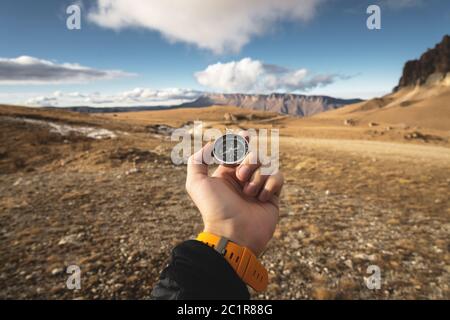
(251, 162)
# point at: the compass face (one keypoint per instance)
(230, 149)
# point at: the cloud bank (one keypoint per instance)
(30, 70)
(253, 76)
(135, 97)
(219, 25)
(43, 101)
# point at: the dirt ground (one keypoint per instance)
(115, 207)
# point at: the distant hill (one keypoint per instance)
(88, 109)
(293, 104)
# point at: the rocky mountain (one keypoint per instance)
(294, 104)
(432, 66)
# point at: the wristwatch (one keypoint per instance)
(243, 261)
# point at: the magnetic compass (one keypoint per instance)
(230, 149)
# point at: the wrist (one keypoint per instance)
(241, 259)
(235, 235)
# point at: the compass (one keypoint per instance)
(230, 149)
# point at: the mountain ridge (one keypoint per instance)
(283, 103)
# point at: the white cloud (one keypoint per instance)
(30, 70)
(145, 94)
(253, 76)
(218, 25)
(135, 97)
(43, 101)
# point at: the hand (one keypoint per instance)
(238, 203)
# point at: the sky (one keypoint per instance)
(153, 52)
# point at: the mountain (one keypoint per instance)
(432, 66)
(88, 109)
(422, 98)
(294, 104)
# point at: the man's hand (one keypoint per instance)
(238, 203)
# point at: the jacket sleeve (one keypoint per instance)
(197, 271)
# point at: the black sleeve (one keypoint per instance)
(197, 271)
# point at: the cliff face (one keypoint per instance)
(294, 104)
(435, 61)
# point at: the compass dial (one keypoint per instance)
(230, 149)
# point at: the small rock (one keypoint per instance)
(56, 271)
(349, 263)
(349, 122)
(229, 117)
(131, 171)
(295, 244)
(69, 239)
(18, 181)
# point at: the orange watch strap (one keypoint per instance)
(243, 261)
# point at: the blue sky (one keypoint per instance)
(317, 47)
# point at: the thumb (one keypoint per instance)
(197, 166)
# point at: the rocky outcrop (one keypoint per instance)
(434, 63)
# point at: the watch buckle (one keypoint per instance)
(221, 245)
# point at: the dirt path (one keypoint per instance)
(405, 151)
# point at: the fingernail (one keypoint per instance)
(251, 188)
(244, 173)
(264, 196)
